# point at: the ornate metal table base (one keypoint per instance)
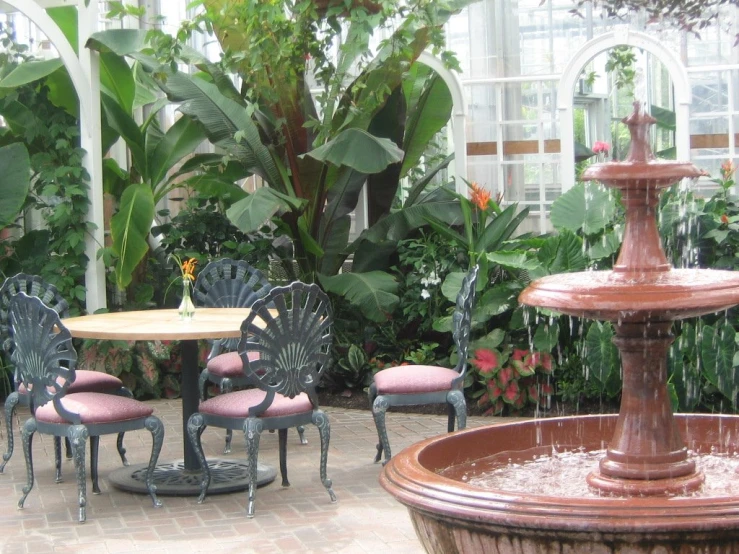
(172, 479)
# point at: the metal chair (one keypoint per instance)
(45, 361)
(228, 283)
(411, 385)
(293, 347)
(86, 381)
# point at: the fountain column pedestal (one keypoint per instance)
(647, 455)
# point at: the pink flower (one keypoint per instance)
(601, 147)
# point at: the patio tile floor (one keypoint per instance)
(300, 518)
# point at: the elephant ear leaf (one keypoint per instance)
(373, 292)
(130, 228)
(15, 181)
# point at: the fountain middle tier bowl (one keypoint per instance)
(453, 516)
(656, 296)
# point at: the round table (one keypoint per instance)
(179, 477)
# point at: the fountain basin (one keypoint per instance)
(451, 516)
(611, 296)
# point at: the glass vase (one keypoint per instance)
(187, 308)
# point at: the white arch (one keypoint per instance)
(84, 72)
(566, 90)
(459, 117)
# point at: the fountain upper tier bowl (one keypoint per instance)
(611, 296)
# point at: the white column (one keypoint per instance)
(91, 142)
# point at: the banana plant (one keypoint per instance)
(314, 166)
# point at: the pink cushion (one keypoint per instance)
(237, 404)
(229, 364)
(95, 407)
(88, 381)
(414, 379)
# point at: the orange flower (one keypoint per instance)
(725, 219)
(188, 269)
(479, 196)
(727, 170)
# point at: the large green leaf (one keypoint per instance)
(588, 206)
(15, 181)
(66, 19)
(718, 346)
(62, 92)
(373, 293)
(500, 229)
(122, 123)
(130, 228)
(116, 78)
(359, 150)
(601, 355)
(28, 72)
(431, 114)
(252, 212)
(226, 123)
(180, 140)
(123, 42)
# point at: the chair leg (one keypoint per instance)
(282, 434)
(58, 459)
(301, 434)
(10, 404)
(156, 428)
(320, 420)
(203, 381)
(226, 387)
(121, 449)
(379, 407)
(94, 449)
(27, 431)
(252, 432)
(67, 449)
(457, 402)
(195, 426)
(78, 436)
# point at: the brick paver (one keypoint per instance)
(300, 518)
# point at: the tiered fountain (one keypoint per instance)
(646, 486)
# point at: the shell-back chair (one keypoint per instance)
(290, 330)
(86, 381)
(45, 360)
(411, 385)
(228, 283)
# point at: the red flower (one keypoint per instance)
(486, 360)
(725, 219)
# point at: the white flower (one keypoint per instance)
(431, 279)
(425, 294)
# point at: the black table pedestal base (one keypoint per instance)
(172, 479)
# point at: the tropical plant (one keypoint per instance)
(315, 166)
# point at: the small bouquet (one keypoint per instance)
(187, 308)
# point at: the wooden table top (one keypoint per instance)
(208, 323)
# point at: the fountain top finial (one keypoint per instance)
(638, 123)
